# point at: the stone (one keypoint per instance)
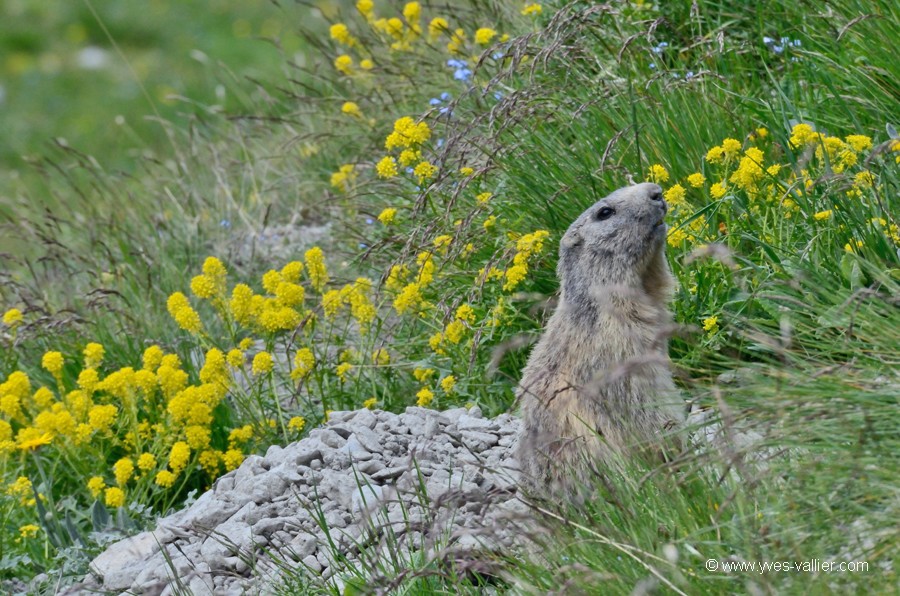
(119, 567)
(388, 473)
(312, 563)
(347, 486)
(355, 450)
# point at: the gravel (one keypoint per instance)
(434, 483)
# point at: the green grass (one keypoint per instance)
(152, 55)
(576, 104)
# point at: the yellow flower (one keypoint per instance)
(12, 317)
(123, 470)
(93, 355)
(717, 190)
(424, 171)
(114, 497)
(484, 197)
(532, 9)
(366, 64)
(514, 276)
(711, 324)
(96, 486)
(203, 287)
(28, 531)
(381, 357)
(342, 370)
(233, 459)
(262, 363)
(823, 215)
(749, 172)
(425, 397)
(344, 64)
(442, 243)
(435, 342)
(11, 405)
(457, 42)
(484, 35)
(407, 133)
(370, 403)
(31, 438)
(152, 358)
(179, 456)
(180, 310)
(423, 374)
(53, 362)
(437, 26)
(304, 361)
(448, 383)
(802, 134)
(235, 358)
(762, 132)
(715, 155)
(387, 167)
(387, 216)
(675, 195)
(465, 313)
(409, 299)
(297, 423)
(859, 142)
(344, 177)
(215, 270)
(88, 379)
(489, 223)
(365, 8)
(240, 435)
(351, 109)
(454, 331)
(864, 179)
(21, 488)
(696, 180)
(341, 34)
(315, 268)
(466, 171)
(657, 173)
(731, 148)
(146, 462)
(412, 12)
(409, 156)
(853, 245)
(165, 478)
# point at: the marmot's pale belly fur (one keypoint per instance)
(598, 380)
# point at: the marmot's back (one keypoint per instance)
(598, 382)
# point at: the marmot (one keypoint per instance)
(598, 382)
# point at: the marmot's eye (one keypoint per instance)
(605, 213)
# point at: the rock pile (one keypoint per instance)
(427, 480)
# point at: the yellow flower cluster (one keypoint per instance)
(180, 309)
(13, 318)
(344, 178)
(743, 169)
(527, 246)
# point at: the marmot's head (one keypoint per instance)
(619, 241)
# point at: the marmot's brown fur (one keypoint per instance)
(598, 382)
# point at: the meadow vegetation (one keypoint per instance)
(147, 350)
